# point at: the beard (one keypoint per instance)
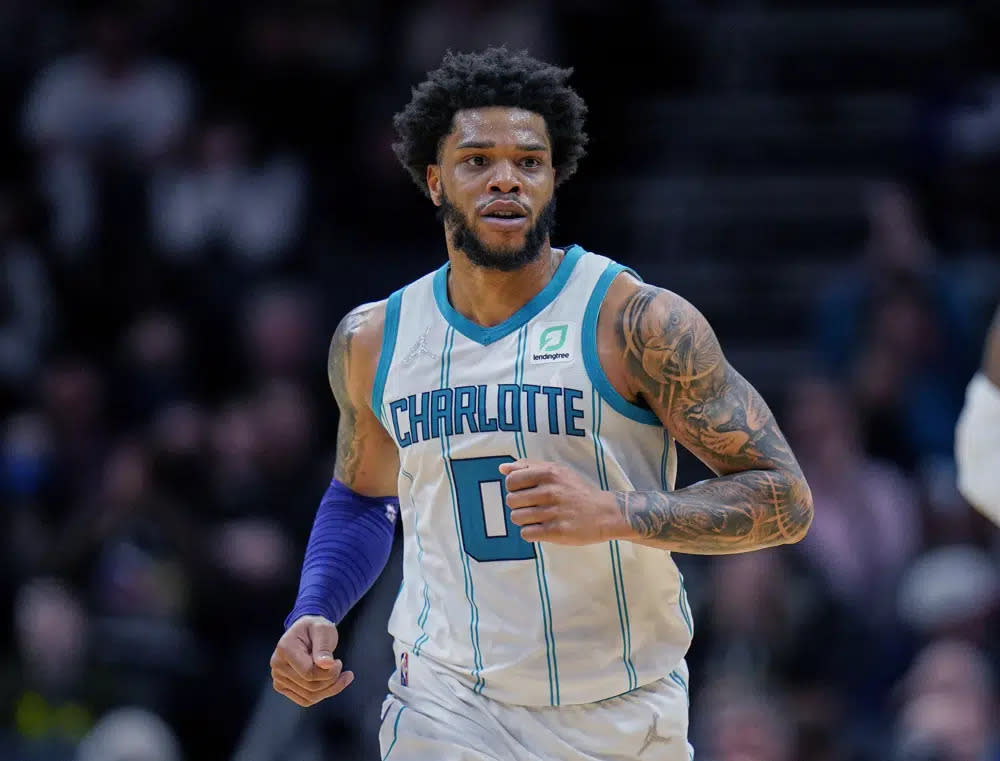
(464, 238)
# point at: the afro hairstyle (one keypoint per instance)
(494, 77)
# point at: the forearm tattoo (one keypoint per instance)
(674, 361)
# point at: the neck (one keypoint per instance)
(488, 297)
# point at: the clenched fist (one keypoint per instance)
(302, 665)
(554, 503)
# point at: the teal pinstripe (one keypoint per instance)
(623, 611)
(449, 342)
(543, 583)
(596, 404)
(682, 600)
(518, 377)
(685, 605)
(550, 637)
(679, 681)
(425, 611)
(395, 734)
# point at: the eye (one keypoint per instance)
(531, 162)
(476, 160)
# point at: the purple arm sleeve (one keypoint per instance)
(348, 548)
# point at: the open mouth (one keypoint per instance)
(504, 214)
(504, 222)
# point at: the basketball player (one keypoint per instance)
(520, 405)
(977, 436)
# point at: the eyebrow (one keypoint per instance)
(527, 147)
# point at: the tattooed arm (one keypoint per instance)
(352, 536)
(669, 358)
(367, 459)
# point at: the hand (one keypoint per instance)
(553, 503)
(302, 665)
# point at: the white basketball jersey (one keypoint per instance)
(524, 623)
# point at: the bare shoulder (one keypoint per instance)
(651, 334)
(991, 354)
(354, 350)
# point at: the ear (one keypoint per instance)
(434, 182)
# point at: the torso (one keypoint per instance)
(535, 624)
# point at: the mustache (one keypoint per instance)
(505, 198)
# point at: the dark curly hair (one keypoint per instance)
(495, 77)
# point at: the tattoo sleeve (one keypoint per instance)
(760, 498)
(360, 440)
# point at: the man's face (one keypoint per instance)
(494, 183)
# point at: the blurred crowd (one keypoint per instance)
(192, 196)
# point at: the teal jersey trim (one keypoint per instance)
(486, 336)
(522, 342)
(542, 578)
(470, 595)
(389, 333)
(596, 406)
(395, 734)
(682, 600)
(597, 415)
(550, 637)
(626, 626)
(593, 363)
(425, 611)
(677, 679)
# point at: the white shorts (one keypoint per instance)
(436, 717)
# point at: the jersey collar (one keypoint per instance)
(542, 299)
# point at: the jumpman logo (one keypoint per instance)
(652, 736)
(420, 347)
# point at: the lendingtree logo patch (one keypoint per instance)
(551, 343)
(553, 338)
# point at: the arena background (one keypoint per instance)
(193, 193)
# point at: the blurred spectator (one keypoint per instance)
(27, 470)
(335, 38)
(948, 709)
(50, 692)
(26, 318)
(899, 328)
(761, 620)
(153, 367)
(739, 722)
(975, 126)
(249, 208)
(952, 591)
(130, 734)
(73, 399)
(866, 529)
(977, 446)
(466, 25)
(178, 437)
(281, 333)
(867, 524)
(107, 107)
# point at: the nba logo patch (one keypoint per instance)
(404, 669)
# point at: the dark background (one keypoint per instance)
(192, 195)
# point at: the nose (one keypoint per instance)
(504, 179)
